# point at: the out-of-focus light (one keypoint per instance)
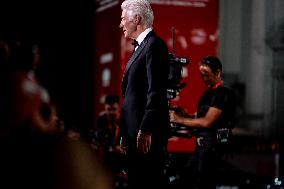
(277, 182)
(106, 74)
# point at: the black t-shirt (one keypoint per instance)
(222, 98)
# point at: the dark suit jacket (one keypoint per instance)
(144, 90)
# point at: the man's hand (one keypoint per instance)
(144, 142)
(119, 149)
(174, 117)
(122, 147)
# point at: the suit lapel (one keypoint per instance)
(138, 51)
(135, 55)
(133, 58)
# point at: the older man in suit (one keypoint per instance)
(145, 119)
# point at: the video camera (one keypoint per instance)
(175, 75)
(175, 86)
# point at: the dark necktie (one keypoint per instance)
(135, 44)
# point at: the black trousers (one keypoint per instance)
(146, 170)
(208, 160)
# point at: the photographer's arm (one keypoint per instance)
(182, 112)
(204, 122)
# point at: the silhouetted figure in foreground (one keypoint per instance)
(34, 152)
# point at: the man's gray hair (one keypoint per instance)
(141, 8)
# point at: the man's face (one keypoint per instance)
(127, 24)
(208, 77)
(112, 110)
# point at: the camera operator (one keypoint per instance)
(213, 122)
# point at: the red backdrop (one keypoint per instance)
(196, 35)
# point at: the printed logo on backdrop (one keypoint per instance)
(184, 3)
(105, 4)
